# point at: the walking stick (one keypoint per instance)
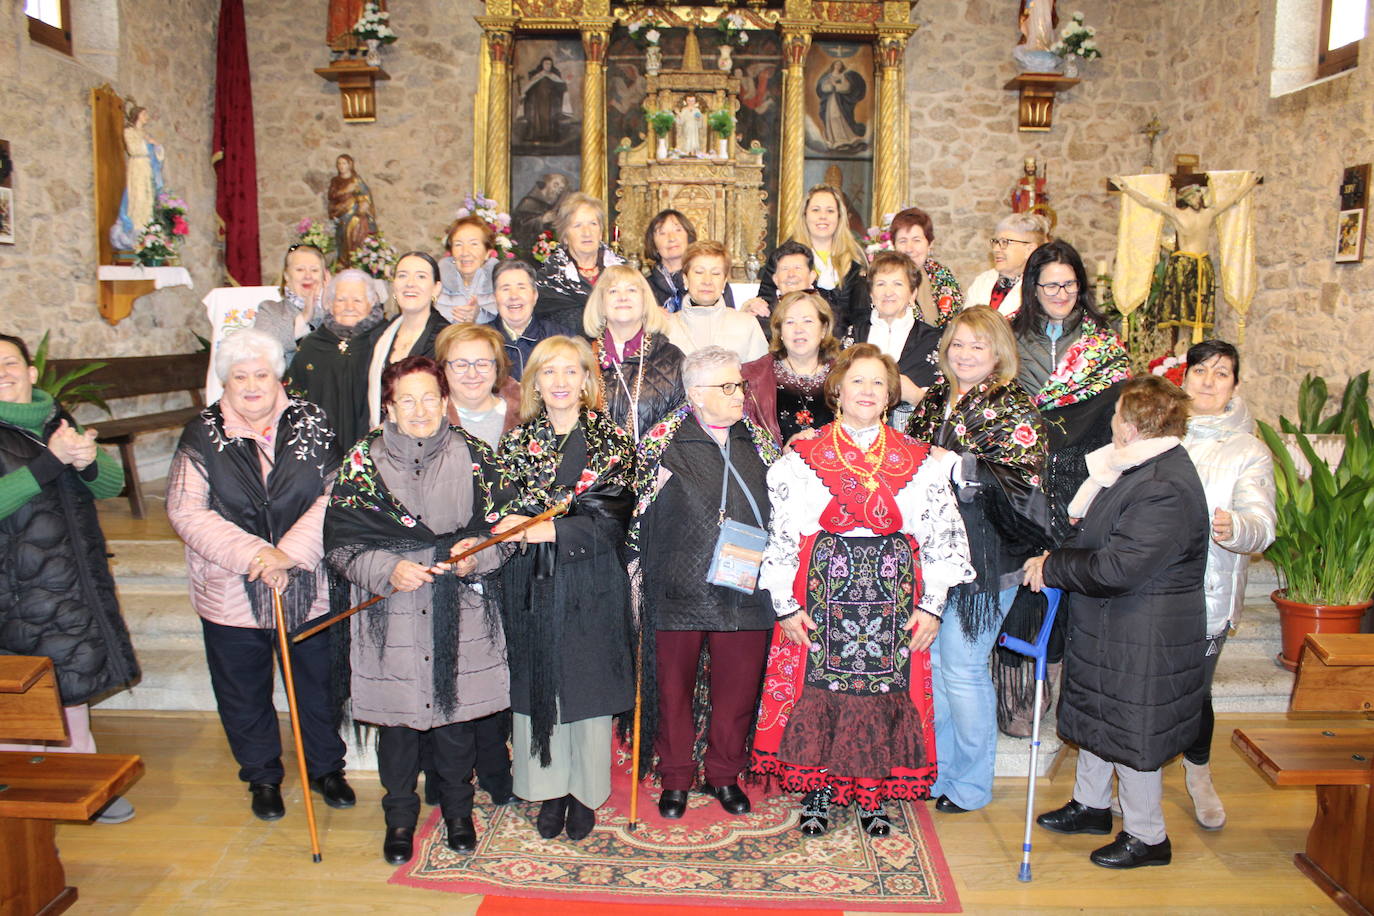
(634, 741)
(442, 568)
(1036, 651)
(280, 620)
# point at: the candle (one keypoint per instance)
(1101, 268)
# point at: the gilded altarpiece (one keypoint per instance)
(607, 149)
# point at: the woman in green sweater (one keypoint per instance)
(59, 598)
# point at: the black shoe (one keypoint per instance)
(815, 812)
(501, 795)
(1077, 818)
(581, 819)
(335, 789)
(267, 804)
(1128, 852)
(945, 806)
(399, 845)
(875, 822)
(553, 814)
(672, 804)
(731, 798)
(462, 834)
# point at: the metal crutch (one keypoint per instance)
(1036, 651)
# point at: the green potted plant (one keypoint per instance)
(661, 122)
(722, 123)
(1324, 544)
(1325, 433)
(65, 389)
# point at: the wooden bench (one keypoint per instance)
(1335, 675)
(134, 376)
(37, 789)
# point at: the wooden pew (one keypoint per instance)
(37, 789)
(136, 376)
(1335, 675)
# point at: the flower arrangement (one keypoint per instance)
(876, 239)
(1171, 367)
(374, 24)
(731, 28)
(316, 233)
(1077, 40)
(544, 246)
(155, 244)
(171, 212)
(644, 29)
(489, 212)
(374, 256)
(722, 122)
(660, 122)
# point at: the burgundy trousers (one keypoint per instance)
(737, 661)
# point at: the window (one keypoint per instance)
(50, 23)
(1342, 27)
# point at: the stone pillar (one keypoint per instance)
(500, 44)
(594, 41)
(889, 159)
(791, 188)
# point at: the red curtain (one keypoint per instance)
(235, 161)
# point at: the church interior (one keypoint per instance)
(924, 105)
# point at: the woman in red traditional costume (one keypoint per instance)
(864, 543)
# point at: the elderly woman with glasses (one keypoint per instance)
(330, 368)
(641, 378)
(247, 491)
(482, 397)
(1012, 242)
(429, 658)
(703, 464)
(567, 606)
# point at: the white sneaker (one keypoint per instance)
(116, 812)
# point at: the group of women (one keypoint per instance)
(837, 519)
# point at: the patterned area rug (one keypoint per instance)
(708, 858)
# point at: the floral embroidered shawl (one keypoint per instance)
(528, 459)
(1092, 364)
(949, 299)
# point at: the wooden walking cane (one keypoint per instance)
(280, 620)
(528, 523)
(634, 740)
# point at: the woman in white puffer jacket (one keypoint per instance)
(1238, 476)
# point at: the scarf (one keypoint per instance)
(364, 515)
(348, 332)
(1107, 464)
(1091, 365)
(528, 458)
(302, 463)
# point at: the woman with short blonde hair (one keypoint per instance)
(567, 277)
(640, 368)
(545, 352)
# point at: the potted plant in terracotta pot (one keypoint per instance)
(1324, 433)
(1324, 544)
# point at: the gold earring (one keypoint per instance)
(884, 416)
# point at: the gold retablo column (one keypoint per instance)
(795, 44)
(594, 42)
(889, 166)
(500, 43)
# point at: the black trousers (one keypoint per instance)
(493, 756)
(398, 766)
(240, 660)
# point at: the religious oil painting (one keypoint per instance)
(1350, 236)
(854, 180)
(546, 97)
(6, 216)
(538, 184)
(840, 97)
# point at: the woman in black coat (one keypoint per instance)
(641, 371)
(1133, 679)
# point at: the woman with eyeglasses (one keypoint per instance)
(1072, 366)
(482, 397)
(429, 659)
(567, 598)
(1012, 242)
(641, 370)
(703, 464)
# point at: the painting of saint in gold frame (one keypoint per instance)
(840, 96)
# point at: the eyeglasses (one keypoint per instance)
(461, 366)
(408, 404)
(1054, 289)
(728, 388)
(996, 242)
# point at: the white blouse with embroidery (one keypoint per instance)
(929, 515)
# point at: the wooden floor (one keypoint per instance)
(194, 846)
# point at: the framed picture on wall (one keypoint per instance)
(1350, 236)
(6, 216)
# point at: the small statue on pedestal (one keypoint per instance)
(691, 127)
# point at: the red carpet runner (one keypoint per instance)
(707, 860)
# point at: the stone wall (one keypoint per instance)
(165, 60)
(416, 157)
